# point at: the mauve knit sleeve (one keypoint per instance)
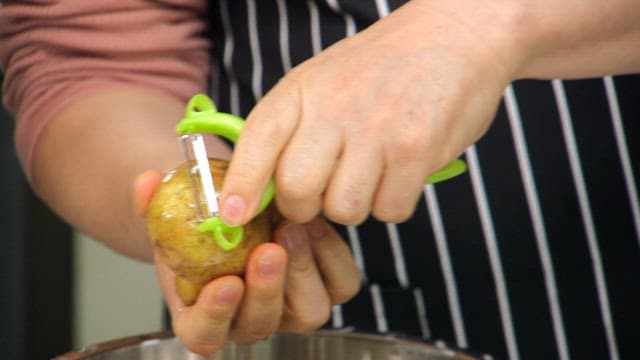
(52, 52)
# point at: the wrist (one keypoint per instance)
(577, 39)
(496, 36)
(538, 39)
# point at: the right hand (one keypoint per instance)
(357, 129)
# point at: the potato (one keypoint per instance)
(194, 256)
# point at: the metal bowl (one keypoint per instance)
(322, 345)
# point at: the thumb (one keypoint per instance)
(143, 187)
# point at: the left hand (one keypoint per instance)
(289, 285)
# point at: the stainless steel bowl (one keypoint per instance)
(322, 345)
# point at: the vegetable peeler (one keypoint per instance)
(202, 117)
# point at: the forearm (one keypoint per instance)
(583, 38)
(88, 156)
(544, 39)
(75, 61)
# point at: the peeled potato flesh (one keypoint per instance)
(194, 256)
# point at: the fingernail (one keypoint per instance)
(270, 265)
(226, 294)
(233, 210)
(317, 229)
(293, 236)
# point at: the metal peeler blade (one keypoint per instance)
(195, 154)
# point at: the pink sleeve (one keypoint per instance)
(54, 51)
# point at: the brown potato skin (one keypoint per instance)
(195, 257)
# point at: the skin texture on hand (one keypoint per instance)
(357, 129)
(289, 285)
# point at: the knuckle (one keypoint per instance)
(292, 185)
(318, 319)
(269, 133)
(296, 211)
(392, 214)
(347, 289)
(292, 189)
(201, 347)
(345, 216)
(243, 175)
(298, 215)
(297, 204)
(311, 320)
(195, 343)
(260, 330)
(349, 203)
(408, 146)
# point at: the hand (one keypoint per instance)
(289, 285)
(358, 128)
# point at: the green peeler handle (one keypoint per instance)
(202, 116)
(451, 170)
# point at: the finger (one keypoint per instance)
(261, 310)
(203, 327)
(263, 137)
(350, 194)
(143, 187)
(167, 278)
(398, 195)
(307, 305)
(404, 177)
(341, 275)
(304, 169)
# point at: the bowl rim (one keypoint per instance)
(88, 351)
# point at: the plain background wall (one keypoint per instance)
(114, 296)
(35, 265)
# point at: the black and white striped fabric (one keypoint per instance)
(533, 254)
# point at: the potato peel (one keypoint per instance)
(194, 256)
